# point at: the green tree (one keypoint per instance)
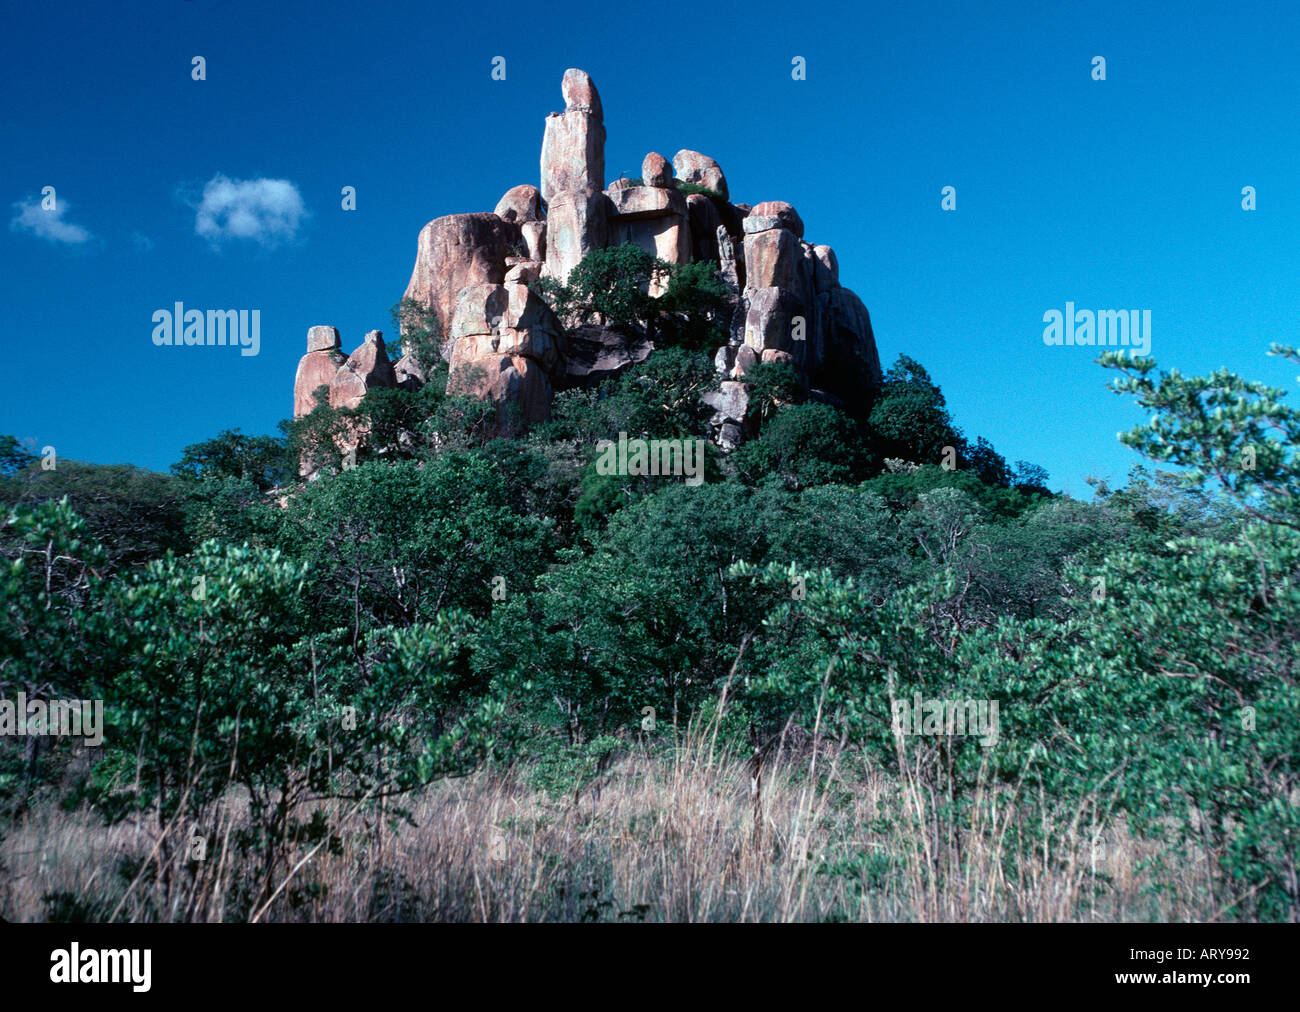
(228, 680)
(419, 333)
(1233, 433)
(13, 458)
(135, 514)
(803, 445)
(609, 285)
(910, 419)
(989, 465)
(1027, 477)
(260, 460)
(398, 543)
(50, 586)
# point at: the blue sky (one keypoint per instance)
(1115, 194)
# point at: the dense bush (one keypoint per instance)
(453, 599)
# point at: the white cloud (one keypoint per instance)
(141, 242)
(267, 211)
(34, 219)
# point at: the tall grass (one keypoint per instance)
(671, 833)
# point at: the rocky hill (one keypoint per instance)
(504, 343)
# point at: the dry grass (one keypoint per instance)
(664, 836)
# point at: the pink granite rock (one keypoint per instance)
(366, 367)
(573, 145)
(693, 167)
(455, 251)
(656, 170)
(520, 204)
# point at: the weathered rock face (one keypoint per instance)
(770, 315)
(573, 146)
(646, 202)
(693, 167)
(506, 341)
(516, 384)
(580, 94)
(773, 259)
(455, 251)
(346, 379)
(827, 269)
(729, 403)
(794, 310)
(786, 215)
(366, 367)
(850, 367)
(507, 319)
(534, 239)
(705, 222)
(594, 354)
(316, 368)
(520, 204)
(733, 362)
(410, 376)
(575, 225)
(656, 171)
(731, 260)
(323, 339)
(653, 219)
(525, 272)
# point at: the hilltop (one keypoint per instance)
(482, 279)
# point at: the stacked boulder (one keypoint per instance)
(503, 343)
(317, 368)
(793, 310)
(366, 367)
(455, 251)
(345, 380)
(652, 216)
(522, 206)
(573, 176)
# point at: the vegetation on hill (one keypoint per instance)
(296, 679)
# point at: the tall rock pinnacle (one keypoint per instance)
(573, 147)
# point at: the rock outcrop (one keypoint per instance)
(455, 251)
(693, 167)
(366, 367)
(575, 225)
(656, 170)
(793, 309)
(346, 379)
(316, 369)
(505, 345)
(520, 204)
(705, 222)
(594, 354)
(505, 342)
(573, 146)
(654, 219)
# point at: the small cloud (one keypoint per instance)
(43, 224)
(141, 242)
(266, 211)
